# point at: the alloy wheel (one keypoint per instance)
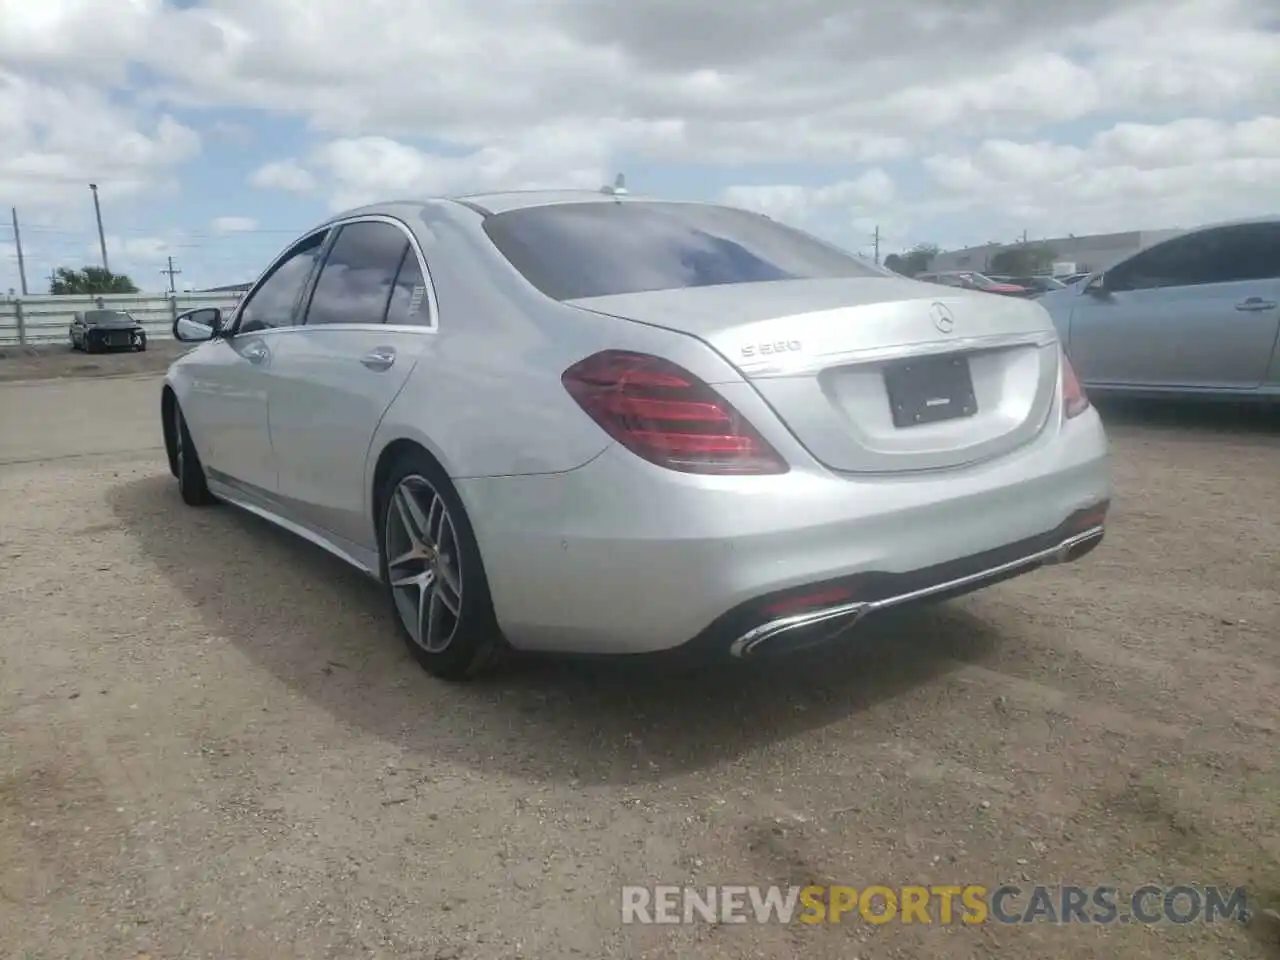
(424, 566)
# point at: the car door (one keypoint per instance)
(226, 409)
(367, 322)
(1199, 310)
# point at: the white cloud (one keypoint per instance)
(871, 192)
(283, 175)
(55, 140)
(564, 92)
(681, 79)
(235, 134)
(135, 248)
(365, 169)
(1131, 176)
(233, 224)
(46, 35)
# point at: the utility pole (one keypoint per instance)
(875, 238)
(171, 273)
(102, 239)
(17, 242)
(1024, 238)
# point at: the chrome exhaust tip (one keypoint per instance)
(800, 630)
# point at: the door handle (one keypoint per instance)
(380, 358)
(1255, 305)
(255, 352)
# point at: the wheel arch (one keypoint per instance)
(168, 402)
(391, 452)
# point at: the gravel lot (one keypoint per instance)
(212, 744)
(49, 360)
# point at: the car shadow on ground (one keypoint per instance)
(1226, 418)
(326, 631)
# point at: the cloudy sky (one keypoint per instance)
(218, 129)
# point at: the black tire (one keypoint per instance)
(142, 346)
(90, 346)
(477, 644)
(190, 472)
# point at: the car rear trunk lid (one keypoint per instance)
(875, 375)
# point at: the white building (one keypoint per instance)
(1087, 253)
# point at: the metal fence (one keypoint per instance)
(47, 319)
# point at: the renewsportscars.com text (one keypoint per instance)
(935, 904)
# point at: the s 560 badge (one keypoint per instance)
(769, 349)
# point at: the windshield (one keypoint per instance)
(107, 316)
(577, 250)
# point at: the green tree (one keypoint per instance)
(90, 280)
(1025, 260)
(916, 260)
(893, 262)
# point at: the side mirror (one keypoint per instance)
(197, 326)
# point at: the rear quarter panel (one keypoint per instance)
(488, 400)
(1060, 304)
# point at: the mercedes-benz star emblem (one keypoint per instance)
(943, 319)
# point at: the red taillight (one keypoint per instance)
(666, 415)
(1074, 400)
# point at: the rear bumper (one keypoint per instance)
(751, 632)
(621, 557)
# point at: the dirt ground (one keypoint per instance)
(59, 360)
(213, 745)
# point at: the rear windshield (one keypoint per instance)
(577, 250)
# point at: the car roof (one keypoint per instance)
(1240, 222)
(488, 204)
(504, 201)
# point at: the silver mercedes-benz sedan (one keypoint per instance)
(596, 423)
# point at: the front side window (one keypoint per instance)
(1218, 255)
(576, 250)
(273, 304)
(358, 274)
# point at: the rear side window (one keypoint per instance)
(408, 297)
(598, 249)
(356, 279)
